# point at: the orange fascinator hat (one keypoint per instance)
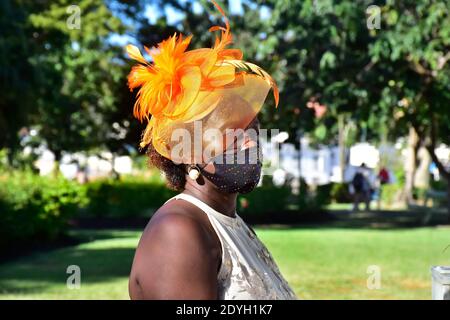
(181, 87)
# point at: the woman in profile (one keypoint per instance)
(196, 246)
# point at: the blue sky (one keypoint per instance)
(153, 12)
(173, 16)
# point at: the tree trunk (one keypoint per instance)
(411, 164)
(114, 173)
(422, 178)
(299, 158)
(58, 157)
(10, 157)
(444, 174)
(431, 147)
(448, 200)
(342, 158)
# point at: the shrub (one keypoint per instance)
(440, 185)
(264, 199)
(125, 197)
(322, 194)
(331, 192)
(277, 204)
(36, 208)
(340, 193)
(138, 196)
(391, 193)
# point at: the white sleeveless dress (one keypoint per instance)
(247, 271)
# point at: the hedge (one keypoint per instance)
(127, 197)
(35, 207)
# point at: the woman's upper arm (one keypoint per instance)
(174, 260)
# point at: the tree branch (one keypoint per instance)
(420, 69)
(443, 60)
(431, 146)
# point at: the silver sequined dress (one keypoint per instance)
(248, 271)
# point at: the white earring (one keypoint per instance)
(193, 172)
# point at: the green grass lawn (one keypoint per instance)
(320, 263)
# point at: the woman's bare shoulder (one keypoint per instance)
(175, 251)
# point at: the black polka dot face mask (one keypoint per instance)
(238, 172)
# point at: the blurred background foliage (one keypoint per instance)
(68, 86)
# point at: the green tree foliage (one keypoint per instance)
(412, 50)
(80, 74)
(17, 79)
(318, 51)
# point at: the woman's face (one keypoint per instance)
(251, 133)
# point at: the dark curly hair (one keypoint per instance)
(175, 174)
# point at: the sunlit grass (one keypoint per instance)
(319, 263)
(333, 263)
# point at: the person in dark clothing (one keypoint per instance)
(361, 188)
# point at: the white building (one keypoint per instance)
(318, 165)
(96, 166)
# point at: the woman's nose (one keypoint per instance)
(248, 141)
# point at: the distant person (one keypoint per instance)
(362, 188)
(82, 174)
(433, 169)
(383, 179)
